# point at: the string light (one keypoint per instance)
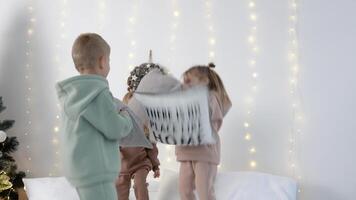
(252, 42)
(28, 78)
(210, 27)
(102, 13)
(57, 59)
(297, 114)
(132, 20)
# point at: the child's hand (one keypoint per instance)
(156, 173)
(124, 112)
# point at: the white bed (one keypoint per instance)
(228, 186)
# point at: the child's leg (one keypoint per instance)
(186, 181)
(205, 174)
(97, 191)
(140, 185)
(123, 184)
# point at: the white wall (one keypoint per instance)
(327, 32)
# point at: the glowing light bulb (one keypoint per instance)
(212, 54)
(292, 56)
(252, 62)
(253, 17)
(212, 41)
(246, 124)
(253, 150)
(133, 43)
(254, 75)
(251, 39)
(131, 55)
(253, 164)
(291, 30)
(248, 136)
(176, 13)
(255, 49)
(56, 129)
(293, 81)
(293, 18)
(132, 20)
(30, 31)
(252, 4)
(295, 68)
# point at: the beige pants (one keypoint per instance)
(123, 185)
(199, 176)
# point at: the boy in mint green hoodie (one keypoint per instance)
(92, 126)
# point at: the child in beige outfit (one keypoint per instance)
(198, 164)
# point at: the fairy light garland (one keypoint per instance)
(62, 24)
(211, 30)
(102, 4)
(250, 100)
(29, 78)
(296, 105)
(132, 21)
(176, 15)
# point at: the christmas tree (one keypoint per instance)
(10, 179)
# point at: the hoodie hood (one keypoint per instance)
(76, 93)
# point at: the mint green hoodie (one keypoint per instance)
(91, 128)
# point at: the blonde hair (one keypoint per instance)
(87, 50)
(215, 82)
(127, 97)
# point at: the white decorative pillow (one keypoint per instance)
(179, 118)
(50, 188)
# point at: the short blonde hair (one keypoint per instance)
(87, 50)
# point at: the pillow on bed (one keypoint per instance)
(236, 185)
(54, 188)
